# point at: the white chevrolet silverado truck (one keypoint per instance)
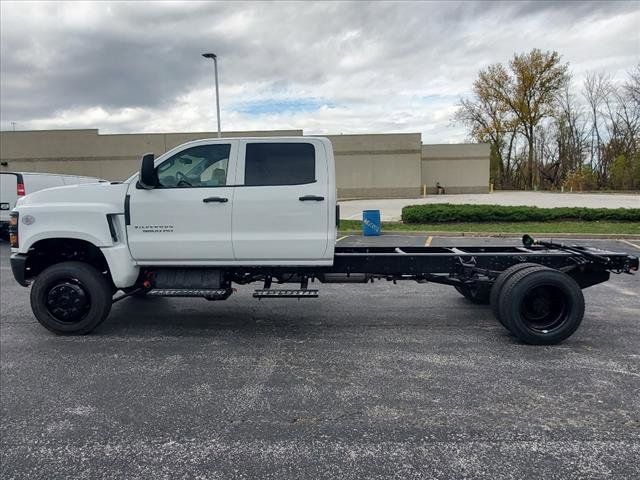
(212, 213)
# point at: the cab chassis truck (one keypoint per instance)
(217, 212)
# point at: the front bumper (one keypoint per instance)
(19, 268)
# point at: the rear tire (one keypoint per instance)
(477, 295)
(71, 298)
(541, 306)
(500, 281)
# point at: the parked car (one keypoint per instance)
(14, 185)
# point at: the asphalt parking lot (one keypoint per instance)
(375, 381)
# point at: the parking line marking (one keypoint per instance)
(629, 243)
(624, 291)
(341, 238)
(428, 242)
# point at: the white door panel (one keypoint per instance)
(188, 216)
(270, 222)
(176, 224)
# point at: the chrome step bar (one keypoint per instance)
(209, 294)
(285, 293)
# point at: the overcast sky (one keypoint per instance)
(322, 67)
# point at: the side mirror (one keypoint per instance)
(148, 177)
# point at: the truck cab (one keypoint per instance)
(212, 202)
(235, 201)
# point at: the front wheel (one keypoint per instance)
(71, 298)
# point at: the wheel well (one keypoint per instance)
(50, 251)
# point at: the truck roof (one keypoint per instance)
(50, 173)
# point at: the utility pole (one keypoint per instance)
(214, 57)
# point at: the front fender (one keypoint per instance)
(64, 220)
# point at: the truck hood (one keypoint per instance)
(86, 193)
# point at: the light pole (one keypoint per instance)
(215, 68)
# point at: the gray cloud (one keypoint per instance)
(384, 65)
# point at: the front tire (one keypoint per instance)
(541, 306)
(71, 298)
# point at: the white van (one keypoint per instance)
(18, 184)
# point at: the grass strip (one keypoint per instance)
(608, 227)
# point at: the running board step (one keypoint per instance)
(281, 293)
(209, 294)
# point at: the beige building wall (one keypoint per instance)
(367, 166)
(377, 166)
(85, 152)
(460, 168)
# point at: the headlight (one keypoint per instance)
(13, 229)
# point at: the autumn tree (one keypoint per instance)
(489, 121)
(529, 88)
(525, 92)
(542, 133)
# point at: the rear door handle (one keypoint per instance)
(215, 199)
(314, 198)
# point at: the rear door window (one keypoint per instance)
(279, 164)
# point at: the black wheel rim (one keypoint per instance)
(67, 301)
(544, 308)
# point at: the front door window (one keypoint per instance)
(200, 166)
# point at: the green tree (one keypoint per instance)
(625, 172)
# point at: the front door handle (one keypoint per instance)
(308, 198)
(215, 199)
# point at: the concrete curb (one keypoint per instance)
(595, 236)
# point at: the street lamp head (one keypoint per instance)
(209, 55)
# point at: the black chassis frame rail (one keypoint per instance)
(415, 260)
(465, 265)
(456, 266)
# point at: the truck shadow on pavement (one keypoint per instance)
(196, 317)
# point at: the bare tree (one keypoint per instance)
(596, 89)
(632, 86)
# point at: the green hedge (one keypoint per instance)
(445, 212)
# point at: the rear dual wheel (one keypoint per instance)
(499, 283)
(540, 305)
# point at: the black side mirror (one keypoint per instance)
(148, 177)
